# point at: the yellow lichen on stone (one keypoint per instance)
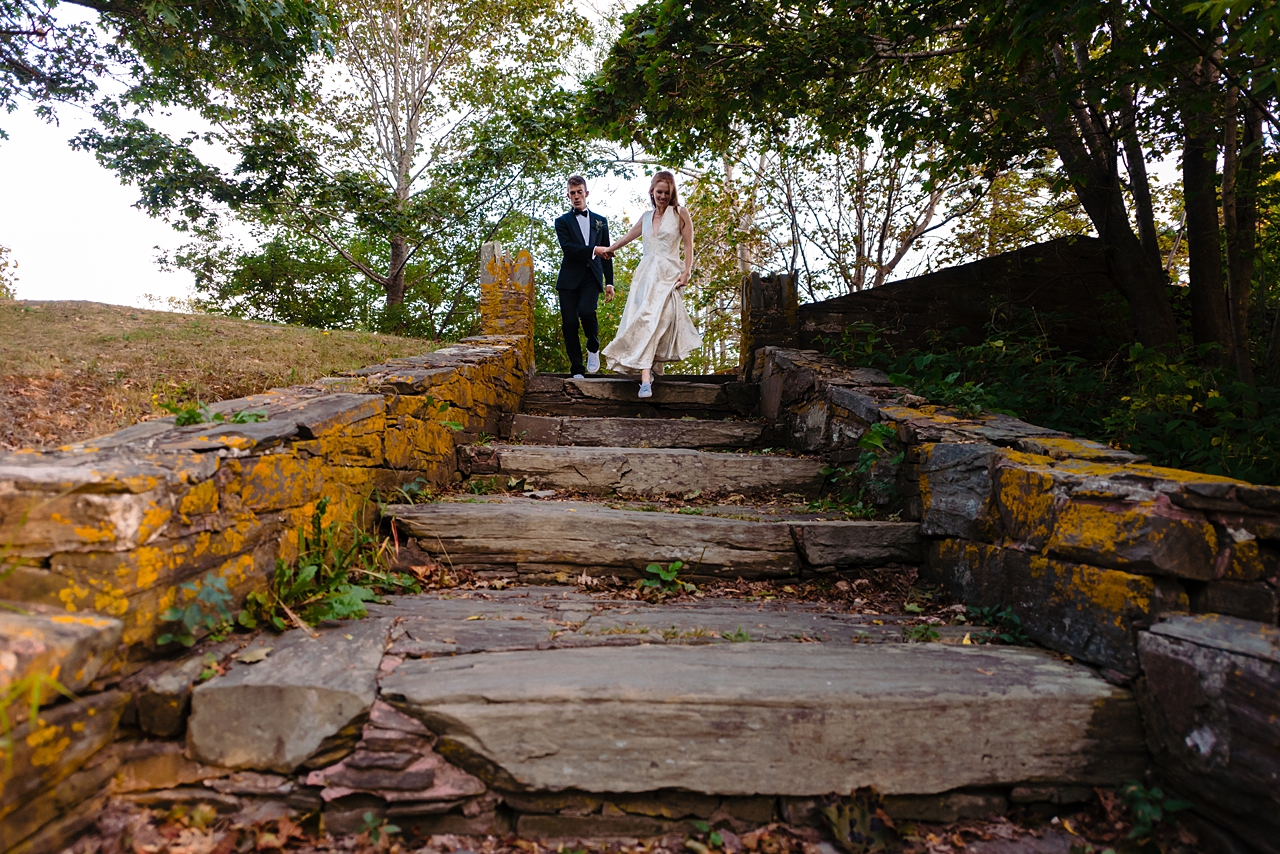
(275, 481)
(1135, 534)
(200, 500)
(1026, 502)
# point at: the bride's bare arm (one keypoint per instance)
(622, 241)
(687, 233)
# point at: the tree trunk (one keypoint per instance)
(1240, 210)
(1204, 252)
(1092, 170)
(395, 269)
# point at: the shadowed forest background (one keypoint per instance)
(338, 166)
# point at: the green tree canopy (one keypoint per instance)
(164, 47)
(982, 84)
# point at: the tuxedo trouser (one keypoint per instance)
(579, 306)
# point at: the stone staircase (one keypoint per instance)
(570, 705)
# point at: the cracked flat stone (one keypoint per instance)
(654, 471)
(271, 716)
(773, 719)
(634, 432)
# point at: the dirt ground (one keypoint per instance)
(74, 370)
(1095, 828)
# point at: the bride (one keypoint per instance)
(655, 328)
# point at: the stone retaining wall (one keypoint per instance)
(99, 538)
(1091, 547)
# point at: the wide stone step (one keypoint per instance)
(635, 432)
(540, 540)
(606, 396)
(644, 471)
(773, 719)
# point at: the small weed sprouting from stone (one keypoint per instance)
(198, 413)
(847, 488)
(1005, 624)
(920, 634)
(738, 636)
(667, 581)
(1147, 807)
(324, 583)
(209, 609)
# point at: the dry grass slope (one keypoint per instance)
(73, 370)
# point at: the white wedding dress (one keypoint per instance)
(655, 328)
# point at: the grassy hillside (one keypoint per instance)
(74, 370)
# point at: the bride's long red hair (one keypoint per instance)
(664, 175)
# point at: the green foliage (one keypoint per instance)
(922, 633)
(8, 280)
(1147, 807)
(337, 571)
(847, 488)
(1006, 624)
(377, 828)
(666, 579)
(170, 50)
(738, 636)
(859, 823)
(198, 413)
(1173, 410)
(208, 609)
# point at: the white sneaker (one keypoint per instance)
(646, 390)
(593, 362)
(579, 377)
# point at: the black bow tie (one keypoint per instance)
(582, 213)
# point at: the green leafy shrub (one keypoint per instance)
(1147, 807)
(209, 609)
(666, 579)
(1173, 410)
(1006, 626)
(336, 572)
(849, 489)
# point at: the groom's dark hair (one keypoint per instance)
(577, 181)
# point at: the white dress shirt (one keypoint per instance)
(584, 223)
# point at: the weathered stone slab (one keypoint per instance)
(426, 638)
(271, 716)
(71, 648)
(799, 719)
(955, 490)
(1212, 707)
(664, 391)
(523, 535)
(1150, 537)
(550, 395)
(634, 432)
(1089, 612)
(56, 744)
(1248, 601)
(645, 471)
(322, 415)
(859, 543)
(720, 624)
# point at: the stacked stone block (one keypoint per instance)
(99, 538)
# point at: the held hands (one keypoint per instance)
(605, 252)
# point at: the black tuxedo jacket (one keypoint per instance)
(580, 264)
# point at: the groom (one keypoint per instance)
(584, 273)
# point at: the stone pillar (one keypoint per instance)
(506, 296)
(770, 317)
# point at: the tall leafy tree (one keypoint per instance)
(992, 85)
(438, 124)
